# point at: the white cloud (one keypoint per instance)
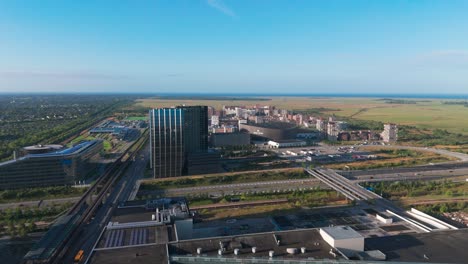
(220, 6)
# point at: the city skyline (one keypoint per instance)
(213, 46)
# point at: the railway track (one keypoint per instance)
(84, 209)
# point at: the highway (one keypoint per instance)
(356, 193)
(341, 184)
(39, 203)
(403, 175)
(398, 174)
(120, 193)
(240, 187)
(460, 167)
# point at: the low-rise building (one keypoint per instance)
(229, 139)
(286, 143)
(224, 129)
(215, 120)
(62, 167)
(343, 238)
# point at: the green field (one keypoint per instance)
(81, 138)
(430, 115)
(38, 193)
(422, 113)
(412, 191)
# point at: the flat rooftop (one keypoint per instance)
(311, 239)
(135, 236)
(138, 254)
(43, 147)
(141, 210)
(287, 141)
(68, 151)
(264, 242)
(274, 125)
(131, 214)
(341, 232)
(434, 247)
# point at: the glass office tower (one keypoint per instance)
(175, 133)
(63, 167)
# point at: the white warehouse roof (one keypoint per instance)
(341, 232)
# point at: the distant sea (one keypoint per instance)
(429, 96)
(324, 95)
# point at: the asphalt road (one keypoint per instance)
(396, 174)
(412, 175)
(121, 191)
(242, 187)
(40, 203)
(326, 149)
(445, 169)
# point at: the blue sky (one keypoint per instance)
(230, 46)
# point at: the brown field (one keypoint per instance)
(256, 211)
(425, 114)
(293, 103)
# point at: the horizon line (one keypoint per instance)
(369, 95)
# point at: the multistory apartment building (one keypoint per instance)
(390, 133)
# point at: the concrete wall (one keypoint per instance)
(184, 228)
(356, 244)
(229, 139)
(384, 220)
(270, 132)
(429, 219)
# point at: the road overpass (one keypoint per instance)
(339, 183)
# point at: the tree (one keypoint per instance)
(443, 208)
(22, 230)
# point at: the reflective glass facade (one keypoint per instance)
(175, 132)
(50, 169)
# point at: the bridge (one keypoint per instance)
(342, 185)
